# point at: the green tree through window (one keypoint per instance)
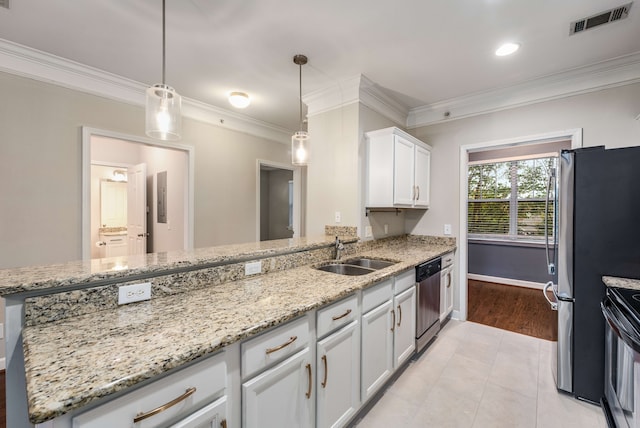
(507, 199)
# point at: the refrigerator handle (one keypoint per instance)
(554, 305)
(550, 265)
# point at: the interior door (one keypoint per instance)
(137, 209)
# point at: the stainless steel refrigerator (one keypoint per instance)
(597, 233)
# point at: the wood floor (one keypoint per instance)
(519, 309)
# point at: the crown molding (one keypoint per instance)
(607, 74)
(38, 65)
(355, 89)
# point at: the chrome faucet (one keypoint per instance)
(339, 247)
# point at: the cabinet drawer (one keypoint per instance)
(376, 295)
(208, 378)
(337, 315)
(404, 281)
(447, 260)
(273, 346)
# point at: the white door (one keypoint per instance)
(137, 209)
(377, 348)
(422, 166)
(338, 378)
(403, 191)
(405, 328)
(282, 396)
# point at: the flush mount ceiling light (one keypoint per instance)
(239, 99)
(119, 175)
(507, 49)
(300, 140)
(163, 117)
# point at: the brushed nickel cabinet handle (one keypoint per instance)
(400, 315)
(448, 279)
(308, 394)
(418, 197)
(284, 345)
(143, 416)
(324, 381)
(393, 323)
(336, 318)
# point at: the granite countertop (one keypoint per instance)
(611, 281)
(72, 362)
(79, 273)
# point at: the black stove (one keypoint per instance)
(628, 301)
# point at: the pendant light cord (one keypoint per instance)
(163, 41)
(300, 66)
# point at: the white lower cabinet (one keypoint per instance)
(404, 343)
(196, 391)
(377, 348)
(338, 378)
(282, 396)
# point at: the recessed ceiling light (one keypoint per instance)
(239, 99)
(507, 49)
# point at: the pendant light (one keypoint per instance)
(300, 140)
(163, 117)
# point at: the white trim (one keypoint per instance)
(297, 193)
(3, 363)
(87, 133)
(576, 141)
(620, 71)
(506, 281)
(353, 90)
(34, 64)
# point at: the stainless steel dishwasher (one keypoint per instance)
(428, 301)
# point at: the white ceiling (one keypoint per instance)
(419, 51)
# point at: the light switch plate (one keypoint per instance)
(134, 293)
(386, 229)
(253, 268)
(338, 217)
(447, 229)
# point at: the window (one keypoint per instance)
(506, 199)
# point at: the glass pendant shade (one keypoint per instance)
(163, 117)
(300, 148)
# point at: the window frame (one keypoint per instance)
(511, 237)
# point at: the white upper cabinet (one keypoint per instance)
(398, 169)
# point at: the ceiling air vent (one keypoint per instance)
(601, 18)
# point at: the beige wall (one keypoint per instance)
(40, 182)
(332, 173)
(607, 117)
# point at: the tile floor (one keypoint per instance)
(476, 376)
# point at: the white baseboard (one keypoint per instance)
(3, 364)
(506, 281)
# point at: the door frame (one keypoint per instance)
(297, 194)
(87, 133)
(575, 135)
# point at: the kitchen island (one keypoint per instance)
(80, 348)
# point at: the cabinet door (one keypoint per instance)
(377, 348)
(422, 173)
(338, 378)
(405, 327)
(212, 416)
(448, 291)
(281, 396)
(403, 163)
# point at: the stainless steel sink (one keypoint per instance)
(344, 269)
(369, 263)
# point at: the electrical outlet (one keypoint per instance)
(447, 229)
(386, 229)
(338, 217)
(134, 293)
(253, 268)
(368, 233)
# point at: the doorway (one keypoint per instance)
(574, 136)
(278, 201)
(158, 195)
